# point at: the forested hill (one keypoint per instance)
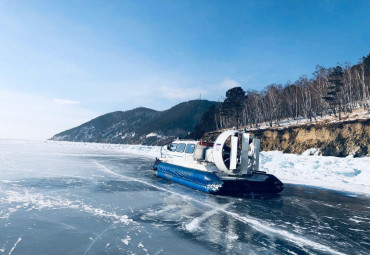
(329, 91)
(140, 125)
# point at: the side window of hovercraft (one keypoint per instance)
(190, 148)
(180, 147)
(172, 147)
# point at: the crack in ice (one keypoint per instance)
(255, 224)
(93, 242)
(15, 245)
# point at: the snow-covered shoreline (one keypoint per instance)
(342, 174)
(348, 174)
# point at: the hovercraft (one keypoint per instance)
(228, 166)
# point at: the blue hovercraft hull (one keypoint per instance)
(258, 182)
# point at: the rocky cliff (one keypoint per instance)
(332, 139)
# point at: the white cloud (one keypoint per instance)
(65, 102)
(33, 117)
(228, 83)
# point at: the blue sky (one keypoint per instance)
(65, 62)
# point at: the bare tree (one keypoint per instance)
(330, 90)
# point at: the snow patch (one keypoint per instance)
(232, 237)
(356, 221)
(126, 240)
(312, 152)
(358, 114)
(152, 134)
(38, 201)
(357, 230)
(342, 174)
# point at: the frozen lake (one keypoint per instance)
(60, 198)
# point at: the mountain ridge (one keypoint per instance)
(140, 125)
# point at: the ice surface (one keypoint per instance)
(103, 199)
(343, 174)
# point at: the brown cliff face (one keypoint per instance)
(334, 139)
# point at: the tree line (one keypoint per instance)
(330, 91)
